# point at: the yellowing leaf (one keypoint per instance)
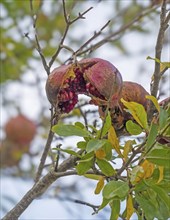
(154, 100)
(92, 176)
(112, 137)
(138, 112)
(129, 207)
(127, 148)
(164, 65)
(100, 185)
(147, 171)
(100, 154)
(161, 174)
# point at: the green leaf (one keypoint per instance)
(160, 157)
(133, 128)
(138, 112)
(105, 167)
(69, 130)
(94, 145)
(104, 203)
(147, 206)
(92, 176)
(79, 124)
(115, 188)
(141, 186)
(163, 117)
(83, 166)
(163, 209)
(87, 156)
(152, 135)
(156, 198)
(108, 150)
(115, 209)
(82, 145)
(106, 126)
(161, 194)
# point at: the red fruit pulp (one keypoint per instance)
(94, 77)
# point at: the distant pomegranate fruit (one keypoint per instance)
(94, 77)
(20, 130)
(132, 92)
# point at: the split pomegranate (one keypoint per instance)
(132, 92)
(94, 77)
(20, 130)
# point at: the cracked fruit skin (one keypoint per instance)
(93, 77)
(131, 92)
(20, 130)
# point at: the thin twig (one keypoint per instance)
(41, 186)
(81, 15)
(68, 23)
(37, 46)
(113, 36)
(47, 147)
(96, 34)
(94, 207)
(129, 161)
(57, 158)
(44, 155)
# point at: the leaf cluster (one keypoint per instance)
(144, 184)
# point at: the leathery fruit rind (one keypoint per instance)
(93, 77)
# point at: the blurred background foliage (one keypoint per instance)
(16, 23)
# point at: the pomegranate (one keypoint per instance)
(130, 92)
(94, 77)
(20, 130)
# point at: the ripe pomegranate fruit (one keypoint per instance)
(94, 77)
(20, 130)
(130, 92)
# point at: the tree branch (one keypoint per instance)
(82, 50)
(68, 23)
(37, 46)
(41, 186)
(158, 51)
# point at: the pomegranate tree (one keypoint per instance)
(93, 77)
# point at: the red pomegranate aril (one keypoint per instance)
(94, 77)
